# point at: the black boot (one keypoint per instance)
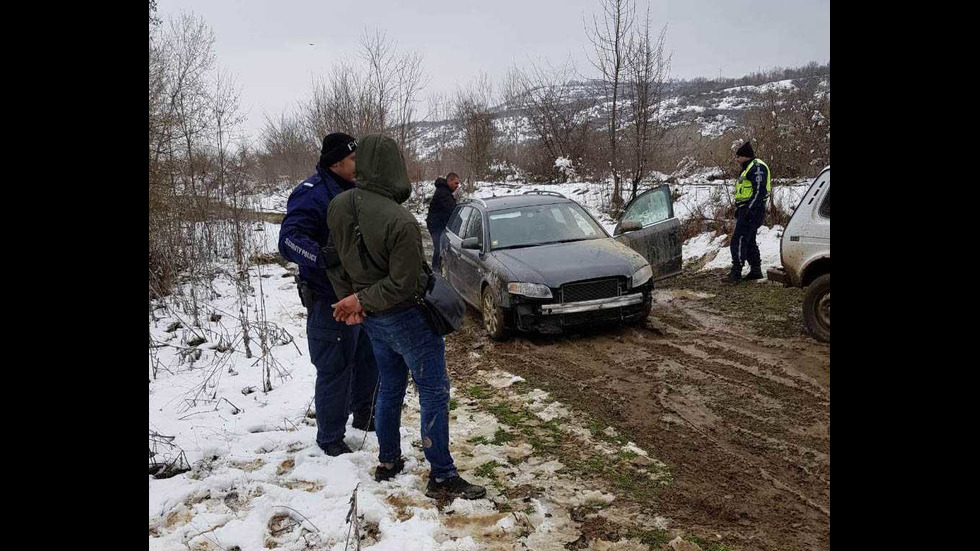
(454, 487)
(336, 448)
(734, 276)
(382, 473)
(754, 273)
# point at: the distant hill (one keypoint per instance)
(714, 105)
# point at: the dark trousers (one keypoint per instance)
(744, 247)
(436, 234)
(346, 373)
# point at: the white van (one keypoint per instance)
(805, 255)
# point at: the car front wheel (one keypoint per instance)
(816, 308)
(493, 316)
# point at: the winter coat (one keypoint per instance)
(390, 272)
(440, 207)
(304, 228)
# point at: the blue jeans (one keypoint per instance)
(404, 341)
(436, 234)
(346, 373)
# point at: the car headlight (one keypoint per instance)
(533, 290)
(642, 276)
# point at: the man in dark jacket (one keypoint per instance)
(382, 277)
(440, 209)
(752, 189)
(346, 374)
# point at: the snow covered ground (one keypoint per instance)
(259, 480)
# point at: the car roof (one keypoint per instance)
(491, 204)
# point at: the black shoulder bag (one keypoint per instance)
(440, 303)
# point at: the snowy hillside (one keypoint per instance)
(712, 111)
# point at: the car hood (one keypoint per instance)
(560, 263)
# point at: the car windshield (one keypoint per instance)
(540, 225)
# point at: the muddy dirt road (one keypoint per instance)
(720, 384)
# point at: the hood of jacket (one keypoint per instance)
(381, 168)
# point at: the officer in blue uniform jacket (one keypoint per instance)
(346, 373)
(752, 190)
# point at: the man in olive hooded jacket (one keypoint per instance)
(382, 277)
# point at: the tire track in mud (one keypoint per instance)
(742, 421)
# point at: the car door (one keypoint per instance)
(657, 233)
(470, 260)
(453, 238)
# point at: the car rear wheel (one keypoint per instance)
(816, 308)
(493, 316)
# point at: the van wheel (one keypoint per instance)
(493, 316)
(816, 308)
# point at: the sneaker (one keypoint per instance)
(454, 487)
(362, 424)
(336, 448)
(754, 273)
(382, 473)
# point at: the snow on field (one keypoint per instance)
(711, 252)
(258, 478)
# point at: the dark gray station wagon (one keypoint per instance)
(541, 262)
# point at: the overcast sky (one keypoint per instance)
(267, 44)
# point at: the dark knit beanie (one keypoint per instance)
(336, 146)
(746, 150)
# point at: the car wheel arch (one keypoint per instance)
(814, 269)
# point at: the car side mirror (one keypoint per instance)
(630, 225)
(471, 243)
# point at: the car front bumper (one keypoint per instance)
(592, 305)
(554, 317)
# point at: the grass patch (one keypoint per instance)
(598, 429)
(507, 415)
(627, 455)
(706, 545)
(652, 537)
(478, 440)
(480, 392)
(453, 404)
(487, 469)
(502, 437)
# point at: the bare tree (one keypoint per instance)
(473, 111)
(411, 80)
(382, 74)
(289, 149)
(543, 96)
(609, 38)
(647, 68)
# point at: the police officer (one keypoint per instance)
(346, 373)
(752, 190)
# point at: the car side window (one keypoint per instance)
(464, 216)
(454, 221)
(650, 208)
(475, 227)
(825, 206)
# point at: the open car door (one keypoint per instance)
(649, 227)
